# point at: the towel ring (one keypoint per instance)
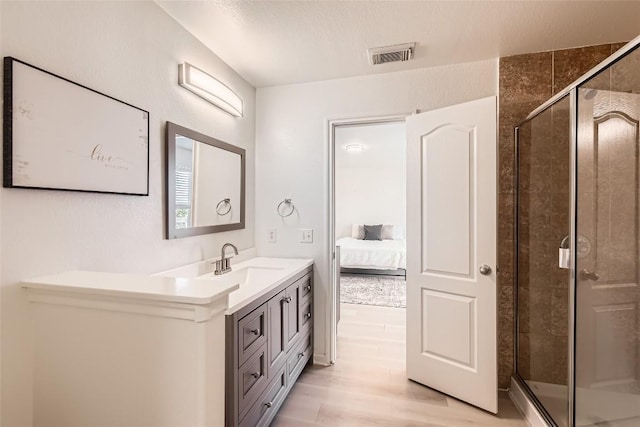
(286, 202)
(221, 203)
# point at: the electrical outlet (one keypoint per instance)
(271, 235)
(306, 235)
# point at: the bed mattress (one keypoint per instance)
(372, 254)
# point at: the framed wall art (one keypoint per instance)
(60, 135)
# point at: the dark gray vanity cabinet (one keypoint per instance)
(268, 344)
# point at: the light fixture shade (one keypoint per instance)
(356, 148)
(210, 89)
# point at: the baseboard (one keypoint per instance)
(373, 271)
(321, 359)
(526, 408)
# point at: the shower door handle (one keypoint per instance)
(589, 275)
(485, 270)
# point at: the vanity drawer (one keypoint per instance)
(299, 356)
(306, 314)
(253, 379)
(264, 409)
(252, 333)
(306, 288)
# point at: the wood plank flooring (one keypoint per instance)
(368, 386)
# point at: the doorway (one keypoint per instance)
(450, 340)
(367, 187)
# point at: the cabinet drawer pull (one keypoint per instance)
(301, 354)
(256, 375)
(308, 315)
(287, 299)
(268, 404)
(308, 287)
(255, 331)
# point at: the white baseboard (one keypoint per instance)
(321, 359)
(528, 410)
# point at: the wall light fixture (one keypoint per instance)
(210, 89)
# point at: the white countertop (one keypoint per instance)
(154, 288)
(282, 269)
(247, 281)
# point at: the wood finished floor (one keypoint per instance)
(368, 387)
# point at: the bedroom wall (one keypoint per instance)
(370, 186)
(292, 150)
(129, 50)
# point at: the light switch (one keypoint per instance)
(271, 235)
(306, 235)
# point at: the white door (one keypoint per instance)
(451, 251)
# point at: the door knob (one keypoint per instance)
(485, 270)
(589, 275)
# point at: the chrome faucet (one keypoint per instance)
(223, 265)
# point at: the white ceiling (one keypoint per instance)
(280, 42)
(385, 146)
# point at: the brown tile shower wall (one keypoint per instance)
(525, 82)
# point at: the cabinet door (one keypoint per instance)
(292, 311)
(252, 333)
(277, 319)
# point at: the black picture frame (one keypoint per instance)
(61, 135)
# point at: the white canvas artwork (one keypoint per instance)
(68, 137)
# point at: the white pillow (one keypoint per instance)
(357, 231)
(398, 232)
(387, 232)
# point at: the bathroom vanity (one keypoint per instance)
(269, 342)
(118, 349)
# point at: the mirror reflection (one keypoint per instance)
(205, 184)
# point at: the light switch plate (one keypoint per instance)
(306, 235)
(271, 235)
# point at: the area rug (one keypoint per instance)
(388, 291)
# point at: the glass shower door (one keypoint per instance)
(543, 224)
(607, 361)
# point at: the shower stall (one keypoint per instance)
(577, 298)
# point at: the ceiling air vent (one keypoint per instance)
(398, 52)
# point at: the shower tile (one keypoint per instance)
(525, 82)
(559, 364)
(505, 360)
(505, 303)
(539, 306)
(601, 81)
(543, 258)
(570, 64)
(624, 74)
(560, 216)
(505, 255)
(506, 175)
(524, 356)
(616, 46)
(505, 217)
(505, 331)
(540, 357)
(559, 312)
(532, 84)
(524, 312)
(513, 113)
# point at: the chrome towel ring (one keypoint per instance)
(220, 206)
(288, 203)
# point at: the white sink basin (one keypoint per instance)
(252, 276)
(255, 277)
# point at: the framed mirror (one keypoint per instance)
(205, 184)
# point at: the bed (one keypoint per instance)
(358, 255)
